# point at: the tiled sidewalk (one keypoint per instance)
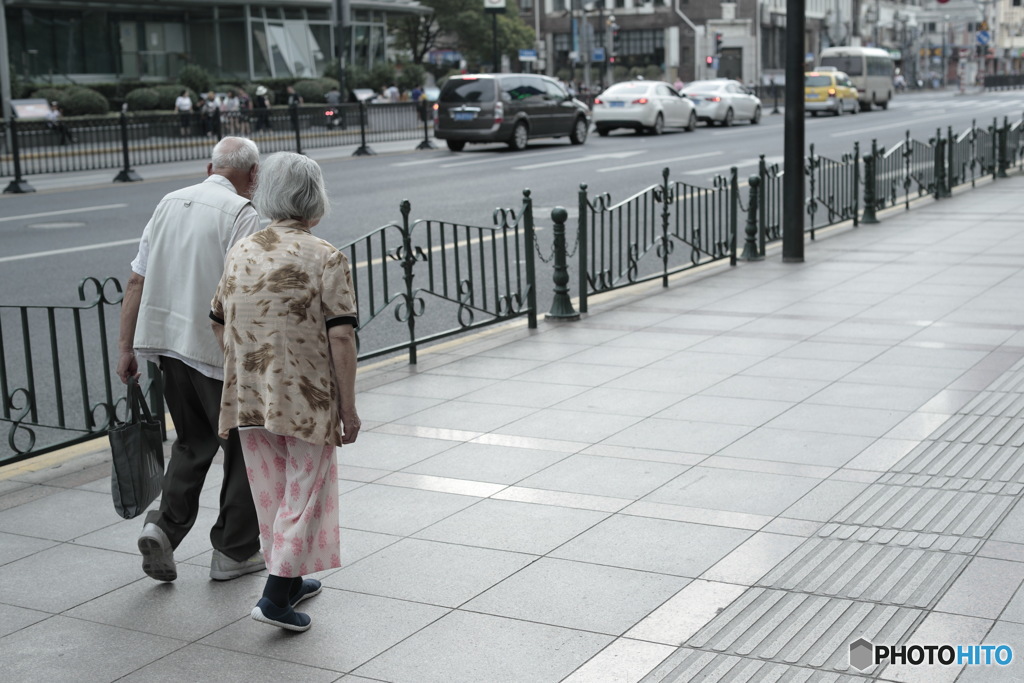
(729, 479)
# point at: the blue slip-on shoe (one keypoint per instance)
(310, 587)
(267, 612)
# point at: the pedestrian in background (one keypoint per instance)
(164, 319)
(210, 116)
(285, 311)
(183, 105)
(55, 122)
(229, 112)
(261, 105)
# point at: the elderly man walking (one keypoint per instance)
(164, 318)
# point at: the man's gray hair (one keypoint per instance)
(290, 186)
(238, 153)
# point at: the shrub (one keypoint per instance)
(83, 102)
(50, 94)
(313, 90)
(195, 78)
(410, 76)
(143, 99)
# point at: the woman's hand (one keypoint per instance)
(350, 425)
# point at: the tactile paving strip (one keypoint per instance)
(801, 630)
(695, 665)
(882, 561)
(888, 575)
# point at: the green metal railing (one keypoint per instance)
(55, 387)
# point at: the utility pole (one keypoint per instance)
(340, 21)
(793, 180)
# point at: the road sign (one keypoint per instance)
(527, 55)
(598, 55)
(984, 37)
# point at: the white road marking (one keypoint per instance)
(658, 162)
(738, 164)
(69, 250)
(901, 124)
(62, 212)
(579, 160)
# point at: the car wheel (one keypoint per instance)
(520, 135)
(456, 145)
(579, 131)
(659, 125)
(855, 108)
(603, 132)
(885, 105)
(839, 108)
(692, 123)
(864, 106)
(756, 118)
(727, 121)
(814, 113)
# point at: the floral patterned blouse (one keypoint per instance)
(282, 289)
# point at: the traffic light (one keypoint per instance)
(718, 44)
(709, 60)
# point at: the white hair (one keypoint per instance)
(290, 186)
(238, 153)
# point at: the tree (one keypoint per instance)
(462, 25)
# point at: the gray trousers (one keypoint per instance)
(193, 400)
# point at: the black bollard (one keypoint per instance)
(19, 185)
(750, 252)
(127, 174)
(561, 305)
(364, 150)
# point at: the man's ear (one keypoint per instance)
(209, 169)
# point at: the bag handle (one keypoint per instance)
(137, 401)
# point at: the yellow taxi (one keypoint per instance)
(829, 90)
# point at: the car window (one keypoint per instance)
(732, 88)
(554, 90)
(627, 89)
(704, 86)
(458, 90)
(817, 81)
(520, 89)
(664, 91)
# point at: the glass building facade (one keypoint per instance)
(153, 39)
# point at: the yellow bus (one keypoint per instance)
(870, 69)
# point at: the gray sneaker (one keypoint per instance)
(157, 554)
(223, 568)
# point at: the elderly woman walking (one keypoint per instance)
(286, 315)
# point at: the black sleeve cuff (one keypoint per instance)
(215, 318)
(343, 320)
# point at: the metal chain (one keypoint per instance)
(569, 254)
(536, 247)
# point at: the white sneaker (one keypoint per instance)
(223, 568)
(157, 554)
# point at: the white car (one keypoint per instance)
(643, 106)
(723, 101)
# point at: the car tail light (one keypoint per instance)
(436, 113)
(716, 98)
(642, 100)
(831, 92)
(499, 112)
(598, 100)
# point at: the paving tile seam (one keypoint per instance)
(711, 666)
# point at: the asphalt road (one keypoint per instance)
(76, 233)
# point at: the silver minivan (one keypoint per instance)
(510, 108)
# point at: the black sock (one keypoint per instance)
(295, 588)
(278, 589)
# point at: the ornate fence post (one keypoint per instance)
(811, 166)
(127, 174)
(561, 305)
(667, 196)
(408, 255)
(870, 185)
(856, 183)
(1004, 134)
(951, 176)
(762, 207)
(19, 185)
(995, 147)
(734, 211)
(750, 252)
(583, 238)
(940, 165)
(529, 239)
(363, 150)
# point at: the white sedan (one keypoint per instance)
(723, 101)
(643, 106)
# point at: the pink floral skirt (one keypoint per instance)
(295, 486)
